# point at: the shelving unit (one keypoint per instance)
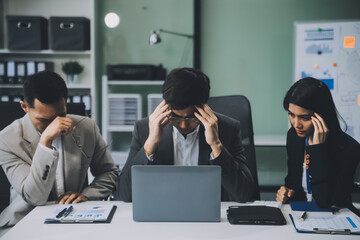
(85, 86)
(118, 136)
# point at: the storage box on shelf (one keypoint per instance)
(70, 33)
(84, 88)
(27, 32)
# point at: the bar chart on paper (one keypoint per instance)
(330, 52)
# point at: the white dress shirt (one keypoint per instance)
(186, 150)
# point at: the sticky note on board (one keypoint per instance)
(349, 42)
(359, 100)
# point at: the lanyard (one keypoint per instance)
(307, 167)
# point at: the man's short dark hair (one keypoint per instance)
(186, 87)
(47, 87)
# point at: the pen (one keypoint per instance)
(68, 211)
(334, 210)
(60, 214)
(303, 216)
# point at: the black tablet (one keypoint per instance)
(255, 215)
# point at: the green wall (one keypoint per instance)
(247, 48)
(246, 45)
(128, 43)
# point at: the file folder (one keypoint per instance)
(5, 98)
(2, 72)
(20, 72)
(76, 99)
(17, 99)
(30, 67)
(307, 206)
(44, 66)
(87, 101)
(11, 72)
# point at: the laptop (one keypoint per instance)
(176, 193)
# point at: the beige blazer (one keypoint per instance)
(31, 169)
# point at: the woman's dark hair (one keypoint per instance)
(186, 87)
(314, 95)
(47, 87)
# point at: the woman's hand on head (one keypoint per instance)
(321, 131)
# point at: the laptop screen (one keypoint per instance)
(176, 193)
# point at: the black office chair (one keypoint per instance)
(10, 111)
(238, 107)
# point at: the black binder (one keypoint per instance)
(3, 73)
(255, 215)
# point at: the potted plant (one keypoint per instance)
(72, 69)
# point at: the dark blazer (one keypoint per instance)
(331, 170)
(237, 180)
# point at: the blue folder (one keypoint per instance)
(307, 206)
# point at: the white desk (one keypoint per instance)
(123, 227)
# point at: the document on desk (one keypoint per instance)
(82, 213)
(266, 203)
(342, 222)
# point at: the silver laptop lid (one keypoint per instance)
(176, 193)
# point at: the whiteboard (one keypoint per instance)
(330, 51)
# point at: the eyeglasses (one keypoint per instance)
(177, 120)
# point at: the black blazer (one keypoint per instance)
(237, 180)
(331, 170)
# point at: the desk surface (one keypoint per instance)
(123, 227)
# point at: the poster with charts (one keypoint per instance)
(320, 40)
(330, 51)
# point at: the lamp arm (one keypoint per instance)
(176, 33)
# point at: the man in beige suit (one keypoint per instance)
(46, 154)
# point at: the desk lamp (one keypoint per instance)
(155, 39)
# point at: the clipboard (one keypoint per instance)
(82, 213)
(349, 222)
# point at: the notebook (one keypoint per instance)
(176, 193)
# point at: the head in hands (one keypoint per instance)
(311, 109)
(45, 95)
(184, 90)
(185, 93)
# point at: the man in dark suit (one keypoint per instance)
(183, 130)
